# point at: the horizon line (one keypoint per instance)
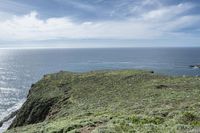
(1, 48)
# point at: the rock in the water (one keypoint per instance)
(1, 124)
(195, 66)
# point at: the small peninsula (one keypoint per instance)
(110, 101)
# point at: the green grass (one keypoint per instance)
(111, 101)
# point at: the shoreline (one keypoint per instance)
(8, 117)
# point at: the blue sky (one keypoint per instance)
(99, 23)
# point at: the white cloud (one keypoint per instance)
(154, 24)
(182, 22)
(30, 27)
(5, 16)
(168, 12)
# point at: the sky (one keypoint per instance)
(99, 23)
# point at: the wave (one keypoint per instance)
(8, 112)
(8, 89)
(3, 77)
(6, 125)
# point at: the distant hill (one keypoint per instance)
(109, 102)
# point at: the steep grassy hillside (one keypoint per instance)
(109, 102)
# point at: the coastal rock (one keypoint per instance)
(195, 66)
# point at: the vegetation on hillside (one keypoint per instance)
(109, 102)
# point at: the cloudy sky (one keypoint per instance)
(99, 23)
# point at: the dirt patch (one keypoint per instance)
(90, 128)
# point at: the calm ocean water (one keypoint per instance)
(20, 68)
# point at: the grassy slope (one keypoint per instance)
(113, 101)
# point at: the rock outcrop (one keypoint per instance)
(195, 66)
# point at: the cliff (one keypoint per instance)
(110, 101)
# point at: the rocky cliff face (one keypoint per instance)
(110, 101)
(33, 112)
(41, 100)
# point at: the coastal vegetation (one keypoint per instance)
(110, 101)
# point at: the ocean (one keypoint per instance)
(19, 68)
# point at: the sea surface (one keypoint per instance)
(20, 68)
